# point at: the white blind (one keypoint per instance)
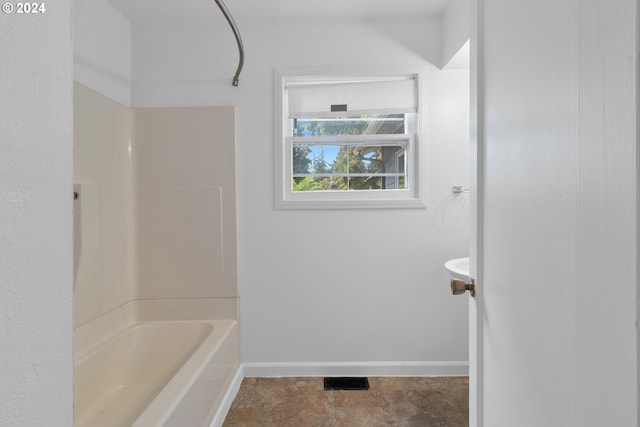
(362, 97)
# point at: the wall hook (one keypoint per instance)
(457, 189)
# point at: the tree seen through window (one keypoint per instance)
(344, 164)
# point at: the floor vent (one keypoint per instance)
(346, 383)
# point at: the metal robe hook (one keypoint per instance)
(236, 33)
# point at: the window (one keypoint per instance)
(347, 141)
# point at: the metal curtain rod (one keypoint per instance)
(234, 27)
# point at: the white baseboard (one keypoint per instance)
(370, 369)
(227, 400)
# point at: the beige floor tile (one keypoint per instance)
(390, 401)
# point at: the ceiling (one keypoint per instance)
(206, 10)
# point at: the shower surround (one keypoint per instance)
(155, 219)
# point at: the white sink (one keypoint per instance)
(458, 268)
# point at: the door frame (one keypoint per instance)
(476, 140)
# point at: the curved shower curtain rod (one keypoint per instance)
(234, 27)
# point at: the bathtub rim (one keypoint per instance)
(86, 354)
(93, 333)
(166, 401)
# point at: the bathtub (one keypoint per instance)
(161, 373)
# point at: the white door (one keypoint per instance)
(553, 335)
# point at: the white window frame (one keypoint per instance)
(286, 198)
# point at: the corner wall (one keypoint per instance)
(102, 49)
(456, 28)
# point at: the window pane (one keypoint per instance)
(347, 183)
(302, 159)
(315, 158)
(308, 183)
(389, 124)
(345, 166)
(366, 183)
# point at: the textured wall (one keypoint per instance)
(35, 218)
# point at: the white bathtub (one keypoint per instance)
(163, 373)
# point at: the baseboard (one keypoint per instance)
(227, 400)
(371, 369)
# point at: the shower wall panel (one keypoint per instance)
(105, 264)
(186, 202)
(156, 215)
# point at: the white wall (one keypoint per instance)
(102, 49)
(35, 218)
(456, 26)
(327, 286)
(560, 197)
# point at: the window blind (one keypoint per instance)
(314, 99)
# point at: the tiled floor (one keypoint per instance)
(390, 401)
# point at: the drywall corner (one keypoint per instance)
(456, 28)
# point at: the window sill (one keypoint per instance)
(351, 204)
